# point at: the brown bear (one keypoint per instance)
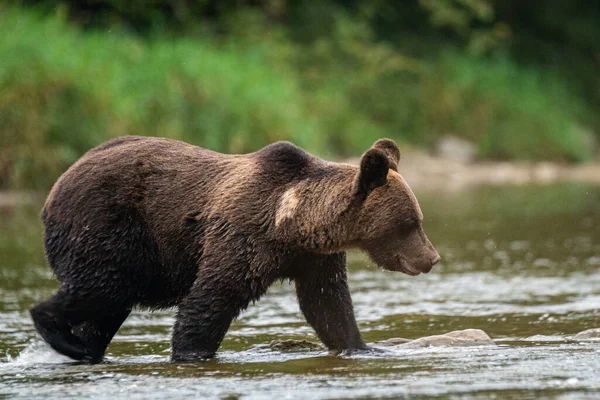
(156, 223)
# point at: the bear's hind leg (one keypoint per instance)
(56, 319)
(52, 319)
(98, 332)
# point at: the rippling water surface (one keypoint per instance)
(521, 263)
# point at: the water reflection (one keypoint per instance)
(521, 263)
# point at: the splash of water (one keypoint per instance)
(37, 352)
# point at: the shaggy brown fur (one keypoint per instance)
(156, 223)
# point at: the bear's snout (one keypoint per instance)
(431, 256)
(427, 268)
(421, 263)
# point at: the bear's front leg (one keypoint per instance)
(204, 317)
(324, 297)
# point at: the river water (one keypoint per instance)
(521, 263)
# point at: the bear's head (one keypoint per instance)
(389, 220)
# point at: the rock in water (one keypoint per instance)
(589, 335)
(393, 342)
(465, 338)
(290, 346)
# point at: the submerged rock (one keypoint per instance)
(464, 338)
(230, 396)
(291, 346)
(393, 342)
(589, 335)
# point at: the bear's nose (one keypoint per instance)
(435, 260)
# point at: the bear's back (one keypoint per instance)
(122, 170)
(157, 173)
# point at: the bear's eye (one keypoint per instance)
(412, 223)
(407, 226)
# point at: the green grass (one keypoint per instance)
(63, 91)
(509, 110)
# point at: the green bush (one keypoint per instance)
(508, 110)
(511, 112)
(63, 91)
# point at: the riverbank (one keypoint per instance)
(14, 198)
(423, 171)
(431, 173)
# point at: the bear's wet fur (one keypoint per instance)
(156, 223)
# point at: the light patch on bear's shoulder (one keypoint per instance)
(287, 206)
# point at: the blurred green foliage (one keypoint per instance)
(516, 78)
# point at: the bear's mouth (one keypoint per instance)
(408, 270)
(405, 267)
(397, 263)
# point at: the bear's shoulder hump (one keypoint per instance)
(118, 141)
(284, 156)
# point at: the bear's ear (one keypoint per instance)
(374, 168)
(390, 148)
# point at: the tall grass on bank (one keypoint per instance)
(63, 91)
(510, 111)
